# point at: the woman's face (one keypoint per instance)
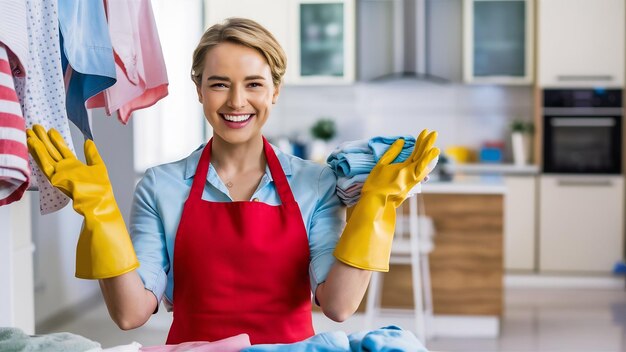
(236, 92)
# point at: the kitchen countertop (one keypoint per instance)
(492, 168)
(467, 184)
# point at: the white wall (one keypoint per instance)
(16, 268)
(462, 114)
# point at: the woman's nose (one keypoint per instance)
(236, 98)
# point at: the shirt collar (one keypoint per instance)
(192, 162)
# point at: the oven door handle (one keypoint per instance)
(585, 183)
(582, 122)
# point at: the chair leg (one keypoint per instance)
(428, 297)
(416, 271)
(372, 306)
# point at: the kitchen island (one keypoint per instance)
(466, 264)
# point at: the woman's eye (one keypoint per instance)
(218, 85)
(255, 84)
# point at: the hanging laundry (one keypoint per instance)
(13, 34)
(140, 67)
(41, 91)
(14, 170)
(86, 56)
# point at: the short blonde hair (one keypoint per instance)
(245, 32)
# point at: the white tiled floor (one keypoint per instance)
(535, 320)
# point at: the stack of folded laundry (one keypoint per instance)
(353, 161)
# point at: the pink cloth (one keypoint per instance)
(14, 169)
(139, 63)
(230, 344)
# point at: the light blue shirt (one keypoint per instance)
(163, 190)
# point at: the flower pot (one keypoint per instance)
(521, 145)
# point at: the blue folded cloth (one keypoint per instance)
(350, 164)
(387, 339)
(380, 144)
(346, 182)
(360, 157)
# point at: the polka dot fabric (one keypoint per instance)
(42, 92)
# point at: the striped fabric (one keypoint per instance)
(14, 169)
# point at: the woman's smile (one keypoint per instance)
(236, 120)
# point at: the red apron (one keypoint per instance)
(241, 267)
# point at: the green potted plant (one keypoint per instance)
(323, 130)
(521, 141)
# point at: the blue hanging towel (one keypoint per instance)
(86, 48)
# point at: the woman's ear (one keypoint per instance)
(276, 93)
(199, 93)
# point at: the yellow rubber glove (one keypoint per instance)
(366, 240)
(104, 248)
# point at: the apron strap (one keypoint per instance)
(280, 180)
(202, 171)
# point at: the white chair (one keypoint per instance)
(412, 248)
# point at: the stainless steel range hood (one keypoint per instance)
(397, 41)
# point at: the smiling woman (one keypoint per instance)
(236, 237)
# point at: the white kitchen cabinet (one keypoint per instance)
(581, 223)
(498, 41)
(520, 222)
(581, 43)
(17, 302)
(317, 36)
(323, 47)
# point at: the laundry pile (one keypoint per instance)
(390, 338)
(353, 161)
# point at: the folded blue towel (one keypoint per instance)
(360, 157)
(350, 164)
(379, 146)
(344, 183)
(387, 339)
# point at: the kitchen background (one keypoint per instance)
(468, 69)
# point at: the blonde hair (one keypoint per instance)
(245, 32)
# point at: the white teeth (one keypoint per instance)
(236, 118)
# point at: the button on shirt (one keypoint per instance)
(161, 193)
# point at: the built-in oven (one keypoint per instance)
(582, 131)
